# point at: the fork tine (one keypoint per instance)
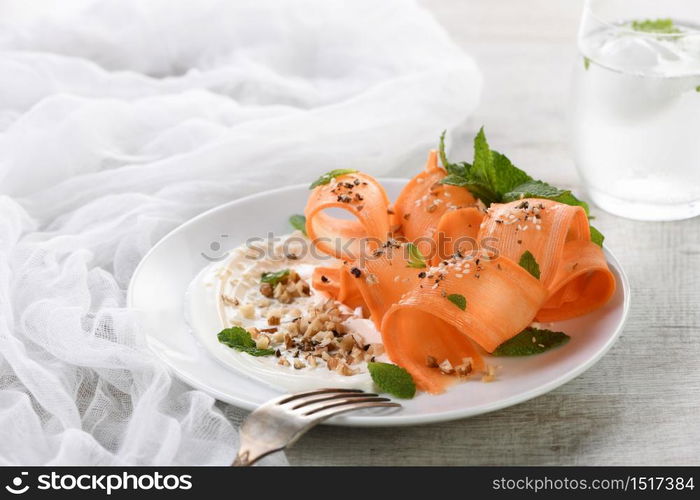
(332, 410)
(314, 408)
(300, 403)
(315, 392)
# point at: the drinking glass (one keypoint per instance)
(635, 107)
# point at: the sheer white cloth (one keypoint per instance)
(120, 120)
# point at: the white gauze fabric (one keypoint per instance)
(120, 120)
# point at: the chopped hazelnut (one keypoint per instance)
(233, 301)
(347, 343)
(266, 289)
(465, 368)
(490, 374)
(446, 367)
(262, 342)
(247, 311)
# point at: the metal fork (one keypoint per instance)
(279, 423)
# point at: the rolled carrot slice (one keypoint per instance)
(501, 300)
(583, 283)
(539, 226)
(384, 278)
(327, 280)
(337, 284)
(457, 231)
(423, 201)
(422, 334)
(361, 196)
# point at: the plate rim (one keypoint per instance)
(385, 420)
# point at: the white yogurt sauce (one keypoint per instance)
(238, 279)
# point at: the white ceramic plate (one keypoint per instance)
(157, 291)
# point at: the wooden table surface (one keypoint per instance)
(641, 403)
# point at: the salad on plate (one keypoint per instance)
(472, 262)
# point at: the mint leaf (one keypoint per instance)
(482, 168)
(456, 170)
(415, 257)
(662, 26)
(489, 177)
(507, 176)
(540, 189)
(441, 151)
(458, 300)
(697, 89)
(492, 178)
(329, 176)
(298, 222)
(597, 237)
(531, 341)
(527, 261)
(275, 277)
(238, 338)
(478, 189)
(586, 63)
(493, 169)
(392, 379)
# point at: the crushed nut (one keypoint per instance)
(233, 301)
(266, 289)
(465, 368)
(490, 374)
(332, 363)
(446, 367)
(247, 311)
(347, 343)
(262, 342)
